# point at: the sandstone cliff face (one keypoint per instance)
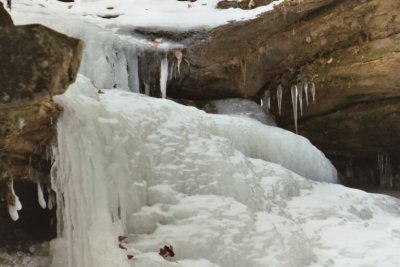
(348, 48)
(36, 64)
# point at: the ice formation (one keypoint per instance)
(300, 92)
(267, 98)
(294, 92)
(239, 108)
(279, 97)
(179, 56)
(385, 173)
(14, 207)
(165, 174)
(41, 200)
(110, 61)
(218, 188)
(164, 76)
(313, 92)
(306, 92)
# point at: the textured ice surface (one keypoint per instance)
(166, 174)
(240, 107)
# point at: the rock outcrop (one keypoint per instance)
(5, 18)
(37, 63)
(348, 48)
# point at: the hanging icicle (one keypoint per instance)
(15, 206)
(41, 200)
(279, 92)
(267, 97)
(305, 88)
(294, 92)
(300, 92)
(164, 76)
(313, 92)
(179, 56)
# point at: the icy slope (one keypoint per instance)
(166, 174)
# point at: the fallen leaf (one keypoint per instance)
(167, 251)
(121, 238)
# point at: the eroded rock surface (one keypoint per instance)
(36, 63)
(348, 48)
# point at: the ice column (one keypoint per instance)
(133, 71)
(300, 92)
(41, 200)
(279, 95)
(267, 97)
(385, 171)
(305, 88)
(294, 92)
(313, 92)
(13, 208)
(164, 76)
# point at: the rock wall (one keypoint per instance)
(348, 48)
(36, 63)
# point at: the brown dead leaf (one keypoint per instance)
(167, 251)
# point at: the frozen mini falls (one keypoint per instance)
(223, 191)
(165, 174)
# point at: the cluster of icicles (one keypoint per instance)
(16, 205)
(297, 91)
(165, 75)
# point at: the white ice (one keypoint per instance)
(240, 108)
(313, 92)
(300, 93)
(279, 92)
(17, 206)
(164, 76)
(294, 93)
(166, 174)
(306, 91)
(41, 200)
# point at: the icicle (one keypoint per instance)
(294, 92)
(267, 97)
(279, 95)
(171, 71)
(313, 92)
(16, 206)
(306, 92)
(164, 76)
(262, 103)
(50, 199)
(179, 56)
(146, 89)
(133, 71)
(41, 200)
(300, 92)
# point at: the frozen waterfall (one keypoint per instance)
(165, 174)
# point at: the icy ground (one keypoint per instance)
(36, 256)
(165, 174)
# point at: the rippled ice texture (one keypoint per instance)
(165, 174)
